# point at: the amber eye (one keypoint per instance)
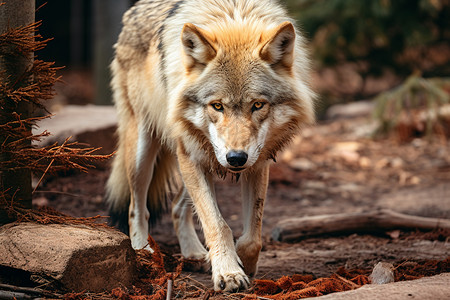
(217, 106)
(257, 106)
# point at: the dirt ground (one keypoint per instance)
(333, 167)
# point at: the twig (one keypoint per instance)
(59, 193)
(403, 263)
(50, 164)
(350, 283)
(169, 289)
(245, 295)
(203, 287)
(187, 280)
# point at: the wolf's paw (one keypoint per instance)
(231, 282)
(248, 252)
(229, 277)
(149, 249)
(140, 242)
(197, 261)
(195, 254)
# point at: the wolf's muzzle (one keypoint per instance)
(237, 158)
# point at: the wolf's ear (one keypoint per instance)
(197, 48)
(279, 47)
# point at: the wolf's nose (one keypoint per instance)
(237, 158)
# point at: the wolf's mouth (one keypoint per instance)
(236, 170)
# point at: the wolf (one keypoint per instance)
(204, 88)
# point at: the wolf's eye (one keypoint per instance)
(217, 106)
(257, 106)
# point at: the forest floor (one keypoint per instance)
(332, 167)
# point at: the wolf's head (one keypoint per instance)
(245, 93)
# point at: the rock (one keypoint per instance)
(365, 162)
(382, 273)
(301, 164)
(397, 163)
(350, 110)
(348, 151)
(350, 146)
(350, 187)
(434, 287)
(78, 258)
(314, 184)
(381, 164)
(432, 201)
(90, 124)
(40, 201)
(365, 130)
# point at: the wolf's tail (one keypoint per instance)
(165, 182)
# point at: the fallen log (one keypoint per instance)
(372, 221)
(8, 291)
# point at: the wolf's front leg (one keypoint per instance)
(254, 188)
(227, 272)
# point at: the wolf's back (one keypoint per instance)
(142, 26)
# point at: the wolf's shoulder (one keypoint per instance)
(142, 23)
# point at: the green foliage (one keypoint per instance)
(414, 98)
(375, 34)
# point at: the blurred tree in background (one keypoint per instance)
(392, 40)
(399, 35)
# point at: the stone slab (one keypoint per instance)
(79, 258)
(90, 124)
(434, 287)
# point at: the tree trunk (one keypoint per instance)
(107, 25)
(76, 32)
(17, 183)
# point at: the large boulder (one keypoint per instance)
(75, 257)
